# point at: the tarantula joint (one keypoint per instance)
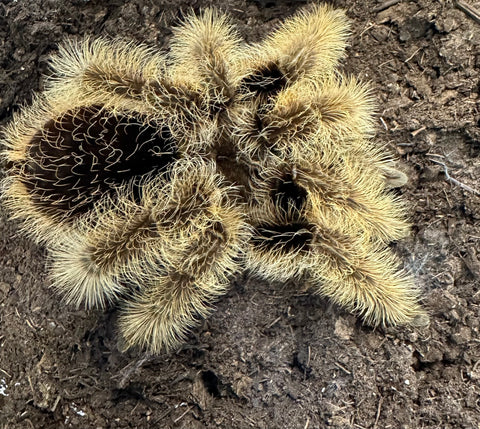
(152, 178)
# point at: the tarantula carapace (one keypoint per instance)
(152, 178)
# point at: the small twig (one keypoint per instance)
(383, 123)
(307, 423)
(386, 5)
(368, 27)
(416, 132)
(162, 417)
(468, 10)
(379, 408)
(455, 181)
(411, 56)
(5, 372)
(183, 415)
(273, 323)
(342, 368)
(55, 404)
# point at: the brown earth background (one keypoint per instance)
(270, 356)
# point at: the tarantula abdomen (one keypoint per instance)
(80, 156)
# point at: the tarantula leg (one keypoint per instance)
(186, 111)
(201, 204)
(90, 265)
(200, 83)
(110, 72)
(61, 164)
(357, 194)
(307, 120)
(302, 193)
(203, 234)
(307, 45)
(206, 49)
(279, 248)
(347, 264)
(162, 315)
(338, 112)
(127, 76)
(364, 278)
(262, 135)
(393, 178)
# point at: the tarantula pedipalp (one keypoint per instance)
(153, 178)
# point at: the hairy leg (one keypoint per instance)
(307, 45)
(364, 277)
(203, 234)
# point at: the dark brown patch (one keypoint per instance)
(285, 238)
(288, 195)
(79, 157)
(267, 81)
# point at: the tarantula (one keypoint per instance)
(152, 177)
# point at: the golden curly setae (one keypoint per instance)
(154, 177)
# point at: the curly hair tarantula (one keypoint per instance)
(152, 178)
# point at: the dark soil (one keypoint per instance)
(270, 356)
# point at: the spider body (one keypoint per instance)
(153, 178)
